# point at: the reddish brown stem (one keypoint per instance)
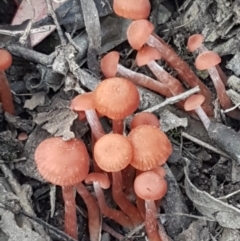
(128, 175)
(5, 94)
(117, 216)
(143, 80)
(182, 68)
(94, 217)
(117, 126)
(173, 84)
(126, 206)
(70, 211)
(151, 223)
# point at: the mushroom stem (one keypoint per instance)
(118, 126)
(126, 206)
(117, 216)
(70, 211)
(182, 68)
(151, 223)
(173, 84)
(143, 80)
(221, 93)
(203, 117)
(94, 217)
(94, 123)
(5, 94)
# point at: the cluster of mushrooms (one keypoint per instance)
(130, 162)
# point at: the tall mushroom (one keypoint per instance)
(64, 163)
(113, 152)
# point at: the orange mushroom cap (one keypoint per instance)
(150, 186)
(144, 118)
(62, 163)
(112, 152)
(147, 54)
(138, 33)
(206, 60)
(109, 64)
(193, 102)
(132, 9)
(101, 178)
(5, 59)
(194, 42)
(116, 98)
(151, 147)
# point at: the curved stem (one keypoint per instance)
(117, 216)
(182, 68)
(5, 94)
(70, 211)
(163, 76)
(143, 80)
(151, 223)
(222, 95)
(94, 123)
(126, 206)
(94, 217)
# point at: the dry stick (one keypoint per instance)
(205, 145)
(25, 204)
(174, 99)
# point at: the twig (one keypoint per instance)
(204, 144)
(23, 198)
(174, 99)
(232, 108)
(54, 17)
(229, 195)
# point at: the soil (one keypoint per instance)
(202, 202)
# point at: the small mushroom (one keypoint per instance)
(144, 118)
(207, 61)
(150, 187)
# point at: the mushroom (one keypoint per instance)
(141, 31)
(64, 163)
(144, 118)
(194, 102)
(84, 105)
(116, 98)
(110, 67)
(150, 187)
(151, 147)
(113, 153)
(132, 10)
(147, 56)
(207, 61)
(99, 181)
(195, 43)
(5, 91)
